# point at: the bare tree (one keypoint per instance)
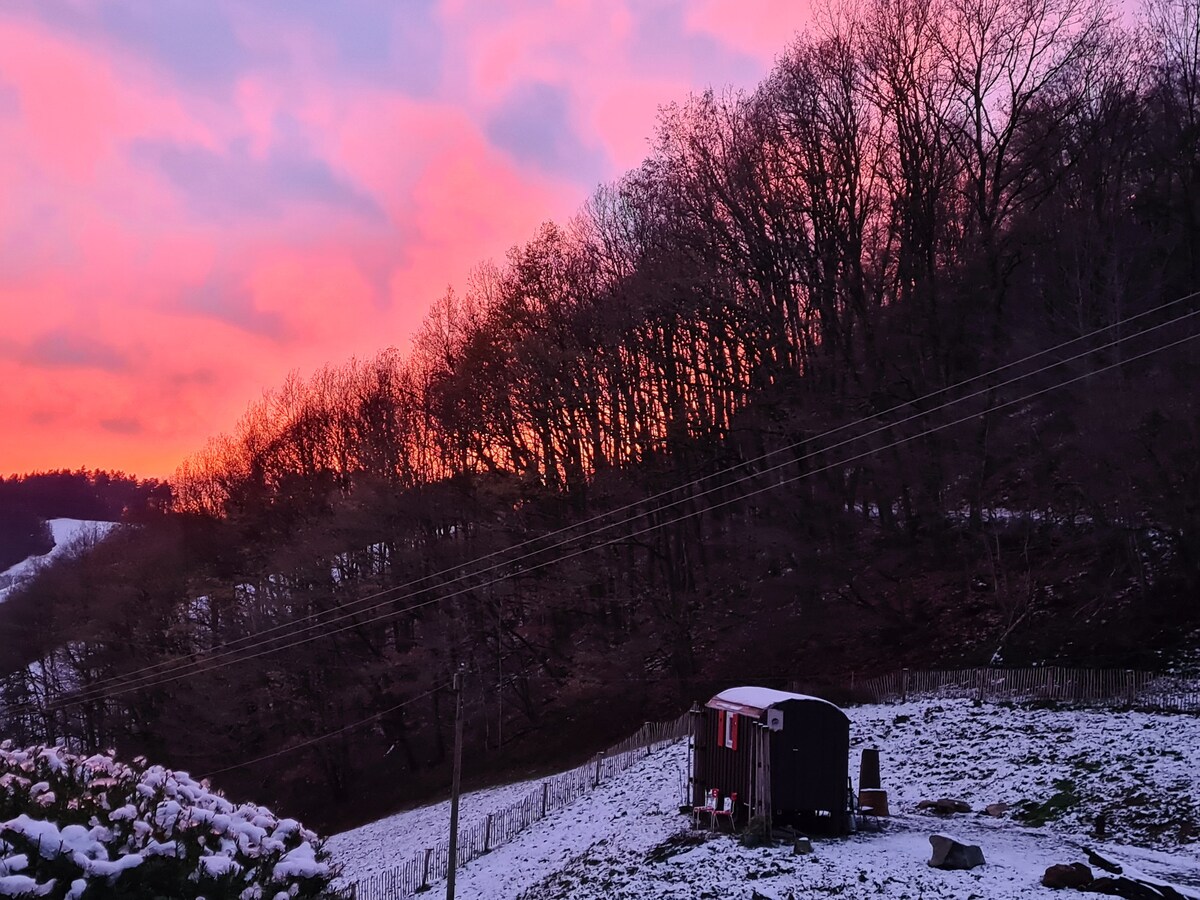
(1011, 64)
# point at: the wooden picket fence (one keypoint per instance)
(1125, 688)
(418, 872)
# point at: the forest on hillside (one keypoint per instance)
(772, 407)
(27, 501)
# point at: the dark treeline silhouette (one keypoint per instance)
(27, 501)
(22, 534)
(920, 191)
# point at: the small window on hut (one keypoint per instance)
(727, 729)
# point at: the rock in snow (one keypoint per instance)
(945, 806)
(951, 853)
(1133, 889)
(1061, 875)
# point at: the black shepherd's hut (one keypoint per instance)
(785, 755)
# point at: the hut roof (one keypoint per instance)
(752, 701)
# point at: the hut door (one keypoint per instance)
(763, 775)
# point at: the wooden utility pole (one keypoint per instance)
(500, 674)
(452, 865)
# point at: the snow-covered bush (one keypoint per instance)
(78, 828)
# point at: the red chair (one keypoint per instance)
(727, 810)
(708, 809)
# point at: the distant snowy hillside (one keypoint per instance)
(1059, 767)
(65, 532)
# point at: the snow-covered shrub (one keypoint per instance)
(78, 828)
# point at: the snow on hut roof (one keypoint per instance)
(752, 701)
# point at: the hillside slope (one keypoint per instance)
(628, 840)
(65, 532)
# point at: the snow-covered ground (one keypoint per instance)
(627, 839)
(373, 847)
(65, 532)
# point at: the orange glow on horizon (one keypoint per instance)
(185, 222)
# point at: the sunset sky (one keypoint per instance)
(199, 196)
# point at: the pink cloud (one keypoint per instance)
(75, 106)
(170, 246)
(762, 29)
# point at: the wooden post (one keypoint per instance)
(752, 744)
(452, 863)
(904, 685)
(487, 835)
(768, 801)
(425, 871)
(596, 781)
(695, 776)
(545, 798)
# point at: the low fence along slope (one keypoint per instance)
(1081, 687)
(497, 828)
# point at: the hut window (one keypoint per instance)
(727, 729)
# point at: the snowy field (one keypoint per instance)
(1060, 768)
(373, 847)
(65, 532)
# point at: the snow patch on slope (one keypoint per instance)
(65, 532)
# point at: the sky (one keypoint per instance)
(198, 197)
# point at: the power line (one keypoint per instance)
(472, 704)
(356, 607)
(124, 685)
(324, 737)
(200, 666)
